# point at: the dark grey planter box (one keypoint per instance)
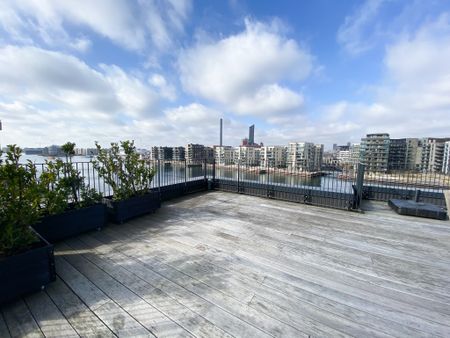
(121, 211)
(27, 272)
(56, 228)
(418, 209)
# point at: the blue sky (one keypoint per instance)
(164, 72)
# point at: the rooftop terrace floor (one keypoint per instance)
(223, 264)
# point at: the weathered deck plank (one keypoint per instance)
(315, 299)
(124, 272)
(51, 321)
(222, 265)
(214, 293)
(144, 313)
(116, 318)
(4, 332)
(20, 320)
(83, 320)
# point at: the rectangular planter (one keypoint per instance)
(418, 209)
(121, 211)
(55, 228)
(27, 272)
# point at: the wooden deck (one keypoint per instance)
(222, 264)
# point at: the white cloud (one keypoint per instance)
(237, 71)
(413, 100)
(165, 89)
(269, 99)
(357, 33)
(194, 114)
(128, 24)
(50, 93)
(136, 97)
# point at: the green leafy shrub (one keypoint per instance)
(19, 203)
(64, 187)
(126, 174)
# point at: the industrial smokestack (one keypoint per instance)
(221, 131)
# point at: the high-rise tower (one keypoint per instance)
(251, 135)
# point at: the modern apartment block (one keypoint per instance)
(355, 153)
(397, 159)
(223, 155)
(209, 154)
(381, 153)
(318, 156)
(302, 156)
(433, 154)
(247, 155)
(446, 158)
(375, 152)
(162, 153)
(412, 150)
(273, 156)
(179, 153)
(195, 153)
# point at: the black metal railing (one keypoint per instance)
(420, 185)
(295, 183)
(334, 187)
(172, 178)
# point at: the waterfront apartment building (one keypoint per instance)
(397, 158)
(223, 155)
(247, 155)
(162, 153)
(435, 149)
(412, 151)
(318, 156)
(33, 151)
(53, 150)
(178, 153)
(381, 153)
(375, 152)
(273, 156)
(446, 158)
(301, 156)
(355, 154)
(343, 156)
(209, 154)
(195, 153)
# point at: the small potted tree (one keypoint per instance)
(129, 178)
(26, 259)
(68, 205)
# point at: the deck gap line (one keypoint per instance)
(4, 321)
(32, 315)
(109, 298)
(139, 277)
(87, 307)
(223, 309)
(125, 286)
(62, 313)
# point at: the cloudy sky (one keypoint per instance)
(164, 72)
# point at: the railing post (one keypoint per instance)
(159, 178)
(214, 172)
(185, 175)
(204, 170)
(359, 185)
(238, 165)
(267, 178)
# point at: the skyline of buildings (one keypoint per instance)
(377, 151)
